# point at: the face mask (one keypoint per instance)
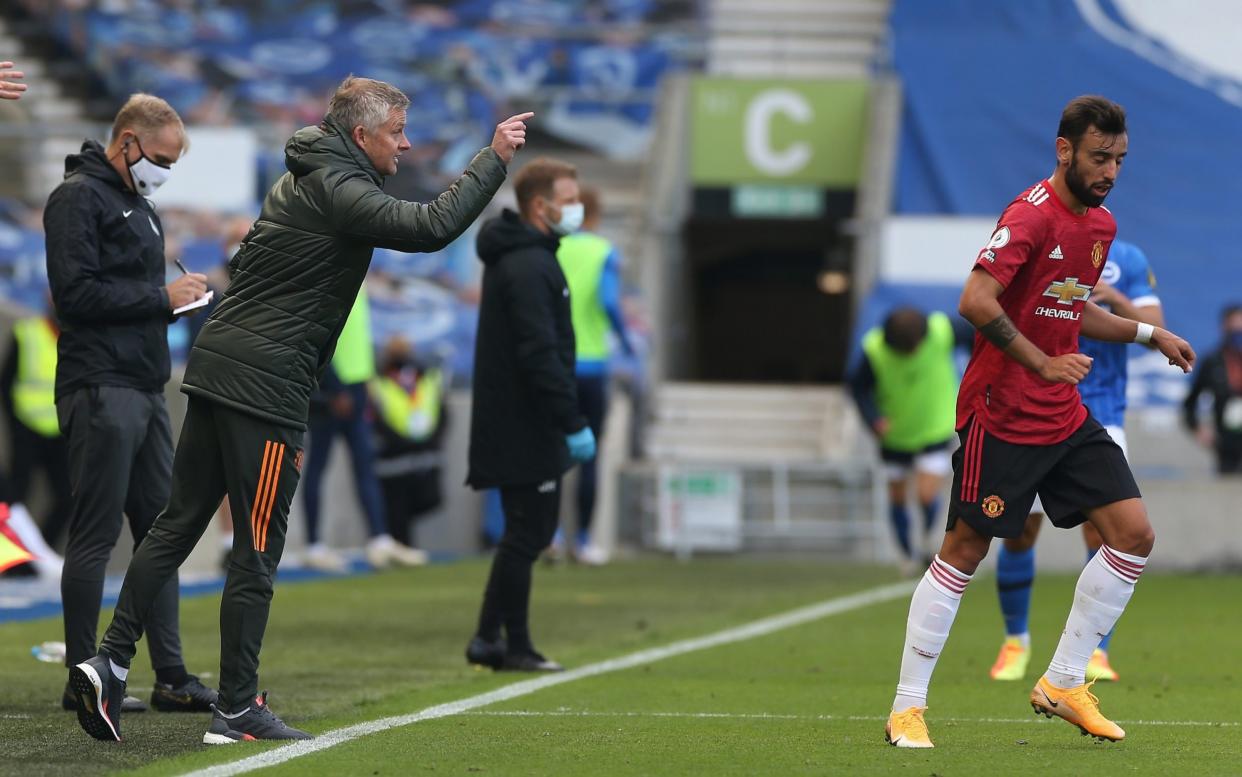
(1235, 340)
(571, 219)
(147, 175)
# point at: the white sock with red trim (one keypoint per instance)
(1104, 588)
(932, 610)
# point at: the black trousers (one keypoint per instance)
(593, 402)
(531, 516)
(30, 452)
(120, 457)
(257, 464)
(409, 497)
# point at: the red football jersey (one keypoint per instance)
(1048, 259)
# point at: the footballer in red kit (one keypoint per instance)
(1025, 431)
(1048, 259)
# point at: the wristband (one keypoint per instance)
(1144, 333)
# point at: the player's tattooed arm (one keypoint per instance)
(1000, 331)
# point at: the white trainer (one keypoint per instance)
(322, 559)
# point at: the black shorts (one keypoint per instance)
(906, 458)
(995, 482)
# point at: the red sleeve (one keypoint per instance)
(1019, 232)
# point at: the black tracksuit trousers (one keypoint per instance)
(119, 445)
(257, 464)
(531, 516)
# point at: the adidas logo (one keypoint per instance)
(1056, 253)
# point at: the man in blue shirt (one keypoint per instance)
(1127, 287)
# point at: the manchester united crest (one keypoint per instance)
(1097, 254)
(993, 506)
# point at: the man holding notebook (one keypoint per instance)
(106, 267)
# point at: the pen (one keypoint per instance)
(181, 267)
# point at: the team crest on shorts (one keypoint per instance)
(1097, 254)
(297, 460)
(993, 506)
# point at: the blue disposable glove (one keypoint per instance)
(581, 444)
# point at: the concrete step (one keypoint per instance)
(660, 449)
(751, 423)
(768, 68)
(794, 25)
(790, 47)
(55, 110)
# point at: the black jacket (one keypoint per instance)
(105, 264)
(525, 399)
(1213, 375)
(299, 269)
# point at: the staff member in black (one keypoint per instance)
(252, 371)
(1220, 376)
(105, 264)
(525, 427)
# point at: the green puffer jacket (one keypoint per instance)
(295, 278)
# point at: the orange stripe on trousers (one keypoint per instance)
(260, 494)
(266, 519)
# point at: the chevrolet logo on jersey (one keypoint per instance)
(1067, 292)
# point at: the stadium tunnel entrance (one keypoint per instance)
(768, 300)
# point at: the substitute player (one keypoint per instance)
(1127, 287)
(251, 373)
(1024, 428)
(904, 384)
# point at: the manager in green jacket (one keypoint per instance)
(253, 368)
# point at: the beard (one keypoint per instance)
(1079, 188)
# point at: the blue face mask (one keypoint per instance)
(1234, 340)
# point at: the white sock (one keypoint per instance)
(1024, 639)
(1103, 589)
(118, 671)
(932, 610)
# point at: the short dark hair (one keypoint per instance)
(537, 177)
(1230, 311)
(590, 203)
(1091, 110)
(904, 329)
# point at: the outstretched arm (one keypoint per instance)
(981, 307)
(362, 210)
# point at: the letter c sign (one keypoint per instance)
(758, 132)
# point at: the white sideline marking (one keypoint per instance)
(759, 628)
(786, 716)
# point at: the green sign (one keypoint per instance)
(777, 131)
(775, 201)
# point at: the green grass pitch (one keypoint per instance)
(806, 700)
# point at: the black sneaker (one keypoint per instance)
(255, 722)
(484, 653)
(69, 701)
(100, 694)
(190, 696)
(530, 661)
